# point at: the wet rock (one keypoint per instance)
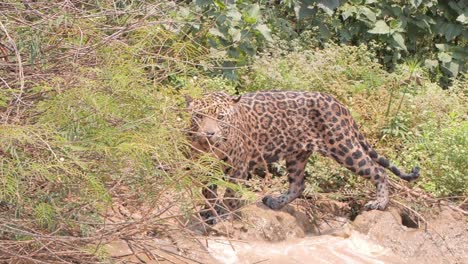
(261, 223)
(443, 241)
(258, 222)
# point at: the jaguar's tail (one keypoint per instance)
(384, 162)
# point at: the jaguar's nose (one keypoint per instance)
(209, 134)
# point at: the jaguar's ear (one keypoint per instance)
(236, 99)
(188, 100)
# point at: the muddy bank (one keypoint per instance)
(305, 233)
(293, 236)
(442, 239)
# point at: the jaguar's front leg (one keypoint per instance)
(213, 208)
(232, 199)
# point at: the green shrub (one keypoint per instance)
(444, 152)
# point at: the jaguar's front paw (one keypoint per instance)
(208, 217)
(375, 205)
(212, 217)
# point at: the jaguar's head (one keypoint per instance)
(211, 121)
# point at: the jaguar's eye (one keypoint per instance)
(220, 116)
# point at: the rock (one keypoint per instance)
(258, 222)
(261, 223)
(444, 240)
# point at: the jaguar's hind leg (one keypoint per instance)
(380, 179)
(354, 157)
(295, 167)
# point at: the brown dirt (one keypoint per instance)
(443, 239)
(322, 232)
(440, 236)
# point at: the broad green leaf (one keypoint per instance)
(328, 5)
(431, 64)
(253, 14)
(234, 14)
(452, 67)
(324, 32)
(247, 48)
(459, 53)
(348, 11)
(380, 28)
(423, 24)
(399, 40)
(265, 31)
(220, 4)
(463, 18)
(203, 3)
(452, 31)
(444, 57)
(304, 11)
(235, 34)
(368, 13)
(416, 3)
(397, 25)
(215, 32)
(454, 6)
(442, 47)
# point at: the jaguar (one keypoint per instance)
(256, 129)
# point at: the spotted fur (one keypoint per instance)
(257, 129)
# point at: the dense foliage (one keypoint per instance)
(431, 32)
(91, 97)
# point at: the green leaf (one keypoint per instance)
(265, 31)
(397, 25)
(416, 3)
(463, 18)
(253, 14)
(423, 24)
(380, 28)
(399, 40)
(455, 7)
(444, 57)
(368, 13)
(348, 11)
(234, 14)
(215, 32)
(328, 5)
(459, 53)
(235, 34)
(304, 11)
(203, 3)
(220, 4)
(431, 64)
(452, 68)
(452, 31)
(442, 47)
